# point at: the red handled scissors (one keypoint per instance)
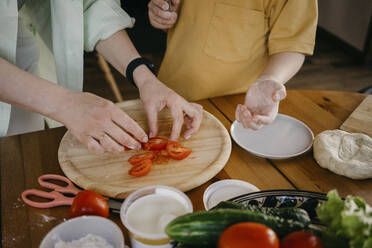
(57, 197)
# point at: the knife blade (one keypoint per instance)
(170, 9)
(114, 205)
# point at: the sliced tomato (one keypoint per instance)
(248, 235)
(301, 239)
(88, 202)
(155, 144)
(177, 151)
(138, 158)
(141, 169)
(161, 157)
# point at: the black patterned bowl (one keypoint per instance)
(306, 200)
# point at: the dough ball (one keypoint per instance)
(347, 154)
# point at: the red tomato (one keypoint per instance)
(301, 239)
(155, 144)
(88, 202)
(137, 159)
(141, 169)
(176, 151)
(248, 235)
(161, 157)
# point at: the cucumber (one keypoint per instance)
(203, 229)
(296, 214)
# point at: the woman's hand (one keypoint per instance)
(261, 104)
(156, 96)
(163, 16)
(99, 124)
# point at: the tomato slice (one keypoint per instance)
(161, 157)
(88, 202)
(249, 235)
(136, 159)
(301, 239)
(141, 169)
(177, 151)
(155, 144)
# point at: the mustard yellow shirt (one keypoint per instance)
(220, 47)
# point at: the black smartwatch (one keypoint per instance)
(134, 64)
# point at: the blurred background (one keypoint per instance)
(342, 59)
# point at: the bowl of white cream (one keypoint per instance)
(85, 232)
(147, 211)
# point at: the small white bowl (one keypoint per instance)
(225, 190)
(79, 227)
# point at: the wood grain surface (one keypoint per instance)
(360, 121)
(108, 175)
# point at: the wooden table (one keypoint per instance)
(25, 157)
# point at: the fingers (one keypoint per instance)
(122, 138)
(152, 119)
(263, 119)
(177, 115)
(244, 116)
(93, 145)
(161, 4)
(159, 15)
(109, 144)
(127, 123)
(194, 115)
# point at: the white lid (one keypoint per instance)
(224, 190)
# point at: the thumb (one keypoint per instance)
(279, 95)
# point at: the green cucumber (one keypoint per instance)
(203, 229)
(296, 214)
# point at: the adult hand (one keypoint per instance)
(261, 104)
(161, 14)
(99, 124)
(156, 96)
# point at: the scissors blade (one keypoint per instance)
(114, 205)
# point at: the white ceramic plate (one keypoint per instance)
(286, 137)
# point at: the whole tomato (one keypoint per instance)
(301, 239)
(248, 235)
(88, 202)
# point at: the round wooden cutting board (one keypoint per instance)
(108, 175)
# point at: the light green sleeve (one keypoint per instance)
(103, 18)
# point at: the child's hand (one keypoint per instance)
(161, 14)
(261, 104)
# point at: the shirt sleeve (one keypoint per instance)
(103, 18)
(292, 25)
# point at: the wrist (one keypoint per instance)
(61, 102)
(268, 77)
(142, 75)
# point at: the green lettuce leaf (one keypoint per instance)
(349, 222)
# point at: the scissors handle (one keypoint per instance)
(57, 199)
(70, 188)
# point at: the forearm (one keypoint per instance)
(283, 66)
(27, 91)
(119, 51)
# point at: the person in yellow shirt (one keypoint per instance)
(221, 47)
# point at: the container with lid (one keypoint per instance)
(147, 211)
(224, 190)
